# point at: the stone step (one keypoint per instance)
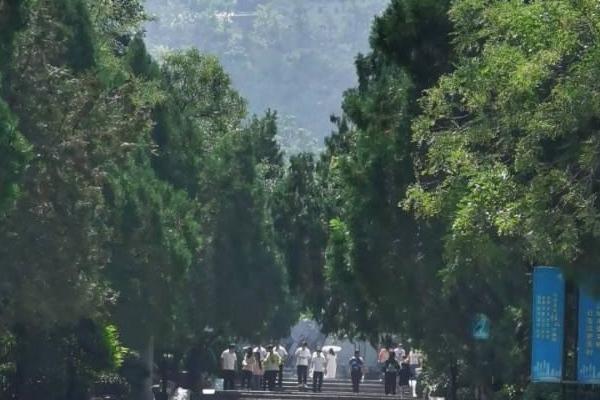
(339, 384)
(240, 395)
(337, 381)
(343, 389)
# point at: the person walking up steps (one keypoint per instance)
(272, 362)
(228, 363)
(414, 362)
(400, 352)
(391, 369)
(356, 366)
(331, 364)
(319, 363)
(384, 355)
(247, 368)
(404, 377)
(284, 355)
(257, 372)
(262, 351)
(302, 362)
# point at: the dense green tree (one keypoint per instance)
(202, 108)
(506, 156)
(228, 167)
(301, 232)
(379, 256)
(55, 238)
(140, 198)
(368, 167)
(15, 153)
(68, 118)
(143, 198)
(505, 144)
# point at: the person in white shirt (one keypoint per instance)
(302, 361)
(414, 361)
(284, 355)
(319, 363)
(400, 352)
(228, 364)
(261, 350)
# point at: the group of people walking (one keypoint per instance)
(262, 368)
(399, 369)
(323, 365)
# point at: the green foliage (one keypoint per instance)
(297, 209)
(374, 257)
(112, 342)
(379, 256)
(200, 110)
(139, 202)
(415, 35)
(68, 119)
(539, 392)
(11, 20)
(156, 237)
(242, 254)
(523, 170)
(503, 159)
(15, 154)
(143, 200)
(228, 168)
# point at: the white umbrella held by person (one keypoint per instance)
(330, 355)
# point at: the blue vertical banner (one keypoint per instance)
(548, 325)
(588, 343)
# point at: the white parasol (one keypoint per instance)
(335, 348)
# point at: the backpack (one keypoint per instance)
(392, 367)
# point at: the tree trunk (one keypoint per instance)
(484, 392)
(452, 390)
(18, 382)
(148, 358)
(70, 371)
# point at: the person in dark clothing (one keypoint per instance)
(390, 370)
(404, 375)
(356, 366)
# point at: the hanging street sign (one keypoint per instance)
(548, 320)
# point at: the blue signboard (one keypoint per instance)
(548, 321)
(588, 344)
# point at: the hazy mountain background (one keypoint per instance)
(294, 56)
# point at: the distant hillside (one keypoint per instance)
(293, 56)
